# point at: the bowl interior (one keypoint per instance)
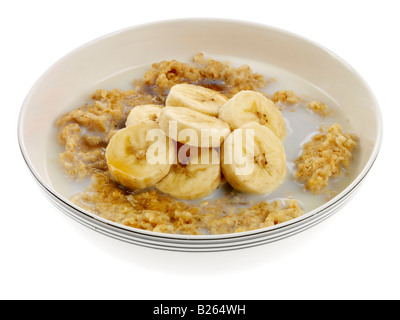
(73, 78)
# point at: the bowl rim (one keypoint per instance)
(231, 236)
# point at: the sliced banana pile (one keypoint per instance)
(181, 148)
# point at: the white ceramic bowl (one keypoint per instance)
(76, 75)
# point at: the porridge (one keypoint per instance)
(324, 157)
(104, 140)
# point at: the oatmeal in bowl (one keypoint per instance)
(174, 153)
(205, 145)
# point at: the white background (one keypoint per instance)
(46, 255)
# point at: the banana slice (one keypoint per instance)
(250, 106)
(140, 155)
(192, 127)
(197, 179)
(253, 159)
(144, 113)
(194, 97)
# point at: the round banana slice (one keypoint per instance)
(140, 155)
(253, 159)
(144, 113)
(194, 97)
(193, 128)
(250, 106)
(197, 179)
